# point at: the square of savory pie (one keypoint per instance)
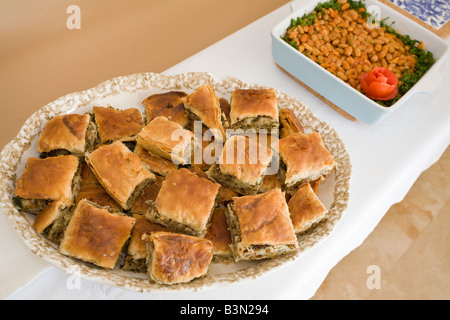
(177, 258)
(52, 220)
(167, 139)
(184, 203)
(135, 259)
(241, 165)
(96, 235)
(220, 236)
(120, 172)
(204, 105)
(289, 123)
(68, 134)
(155, 164)
(305, 208)
(97, 194)
(254, 109)
(166, 104)
(147, 197)
(46, 180)
(303, 157)
(269, 182)
(260, 226)
(92, 190)
(117, 125)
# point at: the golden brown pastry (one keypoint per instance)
(225, 106)
(117, 125)
(96, 235)
(167, 139)
(205, 152)
(269, 182)
(289, 123)
(185, 202)
(68, 134)
(219, 235)
(242, 164)
(315, 184)
(225, 194)
(204, 105)
(87, 176)
(167, 104)
(135, 259)
(120, 172)
(260, 226)
(254, 109)
(305, 208)
(303, 157)
(97, 194)
(147, 197)
(45, 180)
(52, 221)
(49, 215)
(155, 164)
(177, 258)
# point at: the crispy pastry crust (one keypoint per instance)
(253, 103)
(205, 105)
(95, 235)
(66, 132)
(167, 139)
(226, 107)
(87, 176)
(305, 208)
(147, 197)
(289, 123)
(97, 194)
(49, 215)
(250, 160)
(305, 158)
(185, 200)
(167, 104)
(177, 258)
(113, 124)
(269, 182)
(120, 171)
(49, 179)
(264, 219)
(219, 234)
(137, 248)
(155, 164)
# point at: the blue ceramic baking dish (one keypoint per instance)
(337, 91)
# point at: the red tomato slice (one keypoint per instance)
(379, 84)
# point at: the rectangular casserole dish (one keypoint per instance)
(337, 91)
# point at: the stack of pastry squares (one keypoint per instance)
(118, 188)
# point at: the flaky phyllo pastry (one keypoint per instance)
(125, 187)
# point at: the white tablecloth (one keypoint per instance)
(387, 159)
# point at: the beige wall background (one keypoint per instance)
(42, 60)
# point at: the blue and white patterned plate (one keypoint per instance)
(435, 13)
